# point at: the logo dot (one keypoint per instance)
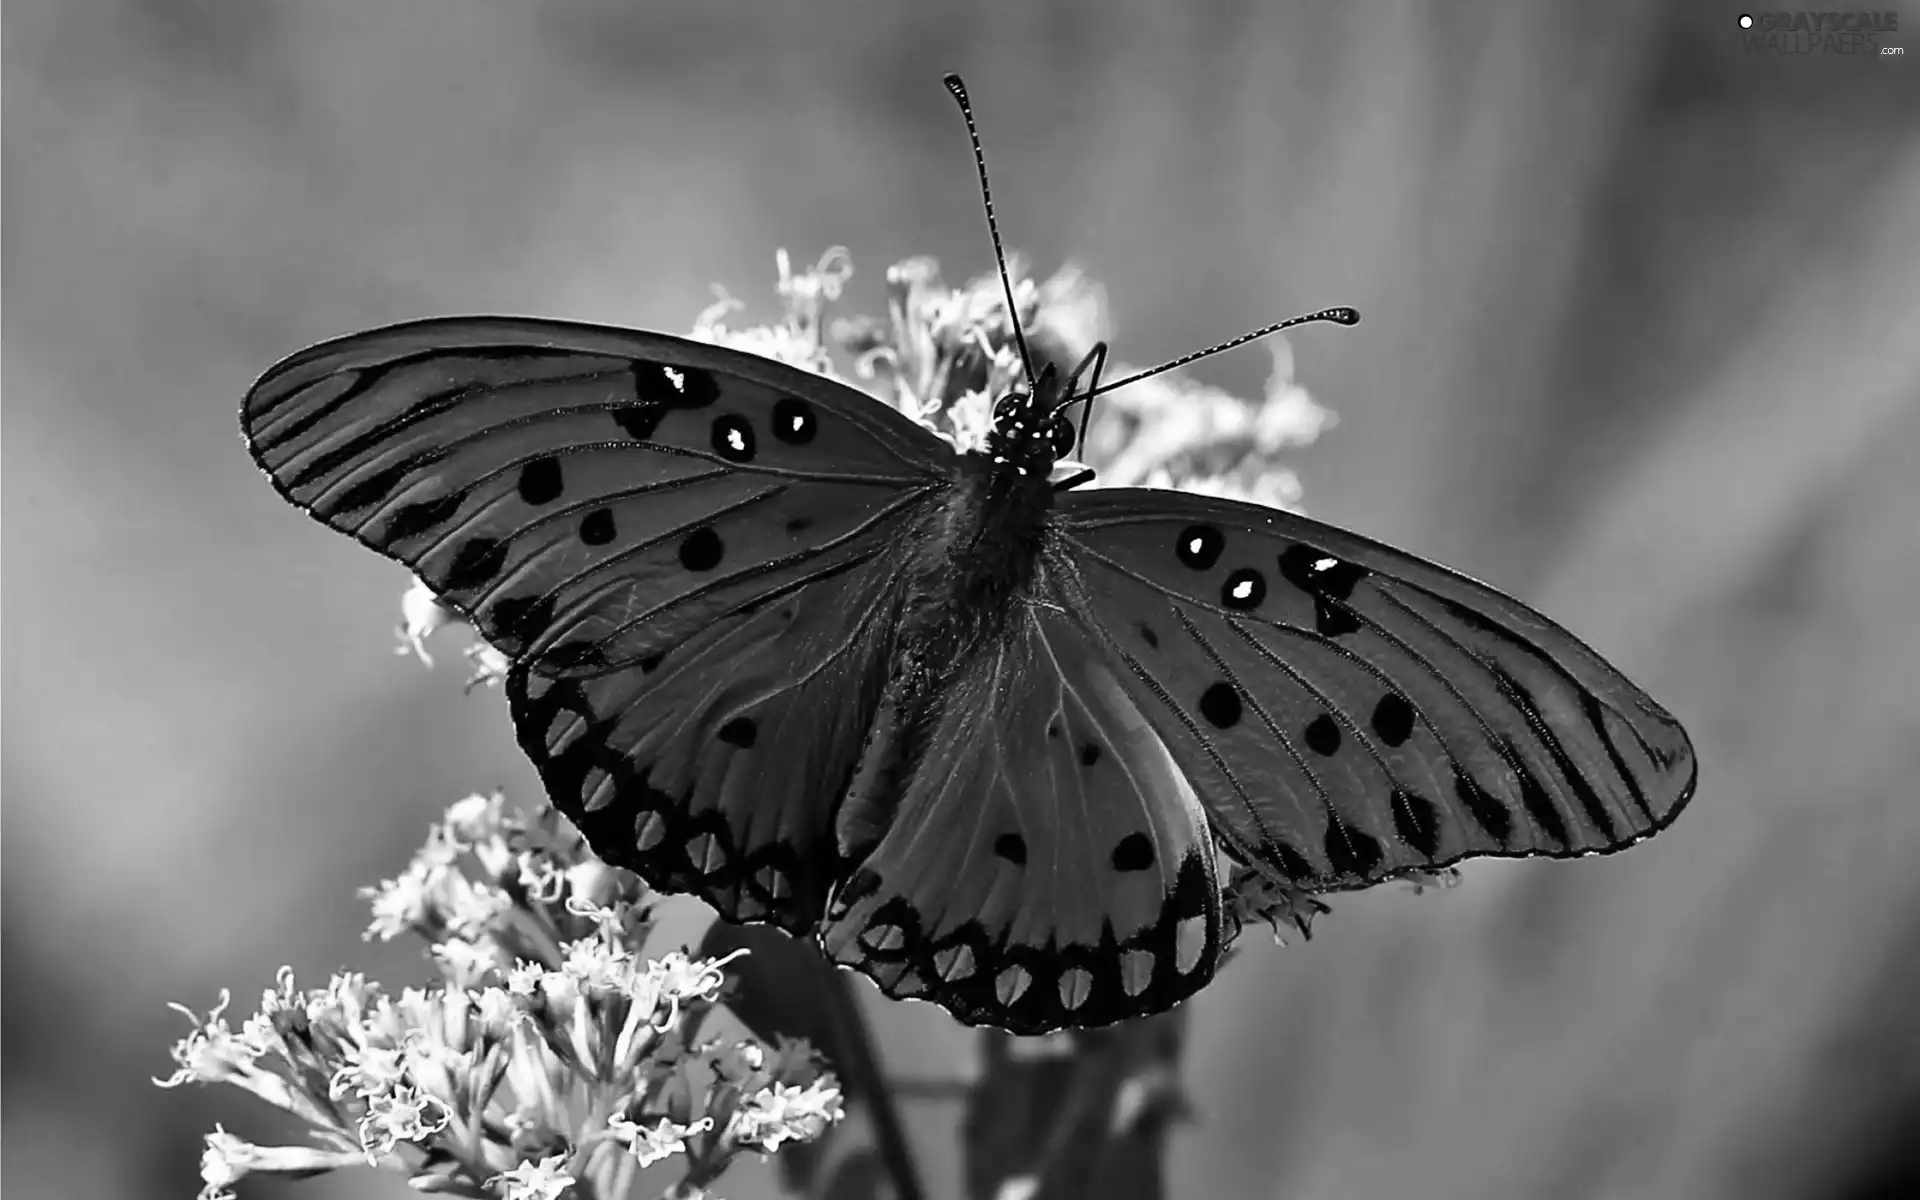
(1746, 21)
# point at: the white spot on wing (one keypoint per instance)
(650, 830)
(954, 963)
(1189, 943)
(1011, 984)
(705, 853)
(1076, 984)
(1136, 971)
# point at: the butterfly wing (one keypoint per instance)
(715, 772)
(1347, 711)
(635, 519)
(588, 496)
(1046, 863)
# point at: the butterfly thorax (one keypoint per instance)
(977, 565)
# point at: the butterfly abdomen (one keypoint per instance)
(973, 566)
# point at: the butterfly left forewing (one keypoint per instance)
(1348, 712)
(589, 496)
(689, 552)
(1045, 863)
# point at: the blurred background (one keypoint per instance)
(1632, 351)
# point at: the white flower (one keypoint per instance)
(651, 1145)
(369, 1071)
(489, 665)
(474, 818)
(544, 1180)
(466, 964)
(213, 1053)
(402, 903)
(404, 1114)
(680, 979)
(783, 1113)
(420, 614)
(228, 1159)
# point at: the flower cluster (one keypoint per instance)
(551, 1060)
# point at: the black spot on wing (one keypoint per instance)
(1293, 863)
(1322, 736)
(1133, 852)
(422, 517)
(597, 527)
(1352, 852)
(1417, 821)
(1243, 590)
(520, 619)
(1487, 811)
(1012, 847)
(1220, 705)
(669, 386)
(479, 560)
(794, 421)
(1318, 573)
(541, 481)
(1329, 581)
(733, 438)
(1199, 546)
(702, 550)
(740, 732)
(1393, 719)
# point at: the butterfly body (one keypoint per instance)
(777, 646)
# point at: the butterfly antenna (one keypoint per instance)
(1338, 316)
(959, 90)
(1097, 360)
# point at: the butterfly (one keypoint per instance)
(984, 736)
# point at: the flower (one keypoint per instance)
(781, 1113)
(400, 1114)
(227, 1159)
(543, 1180)
(652, 1144)
(420, 614)
(547, 1013)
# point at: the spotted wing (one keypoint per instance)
(1045, 862)
(715, 771)
(1347, 711)
(590, 497)
(685, 549)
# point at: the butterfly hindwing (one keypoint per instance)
(588, 496)
(1046, 863)
(1347, 711)
(715, 770)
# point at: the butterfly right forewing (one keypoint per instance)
(1350, 712)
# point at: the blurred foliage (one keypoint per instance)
(1638, 348)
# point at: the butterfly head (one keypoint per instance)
(1032, 430)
